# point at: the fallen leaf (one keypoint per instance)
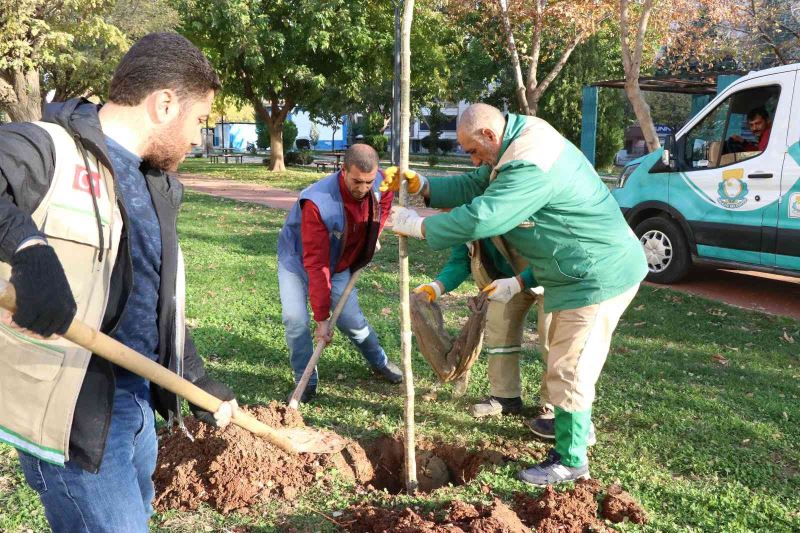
(386, 311)
(639, 307)
(788, 338)
(691, 313)
(637, 324)
(721, 359)
(785, 416)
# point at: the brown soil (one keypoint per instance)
(233, 469)
(619, 505)
(437, 464)
(460, 517)
(230, 469)
(571, 511)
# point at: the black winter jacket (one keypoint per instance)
(27, 164)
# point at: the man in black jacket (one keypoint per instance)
(115, 247)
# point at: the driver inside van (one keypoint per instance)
(760, 125)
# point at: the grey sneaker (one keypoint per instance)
(551, 471)
(545, 428)
(493, 406)
(391, 373)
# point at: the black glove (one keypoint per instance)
(214, 388)
(45, 304)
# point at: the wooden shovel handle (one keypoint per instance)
(294, 401)
(109, 349)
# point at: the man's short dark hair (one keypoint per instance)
(363, 156)
(162, 61)
(758, 111)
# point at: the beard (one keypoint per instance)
(166, 149)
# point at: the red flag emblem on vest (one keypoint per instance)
(81, 181)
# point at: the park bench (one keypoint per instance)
(323, 164)
(214, 158)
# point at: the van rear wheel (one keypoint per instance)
(666, 250)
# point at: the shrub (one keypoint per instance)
(303, 157)
(433, 160)
(303, 144)
(377, 141)
(446, 145)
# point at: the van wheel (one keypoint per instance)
(666, 249)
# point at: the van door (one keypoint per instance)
(731, 159)
(787, 253)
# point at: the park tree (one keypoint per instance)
(280, 55)
(682, 28)
(561, 105)
(68, 46)
(435, 42)
(549, 32)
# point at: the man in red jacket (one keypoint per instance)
(330, 233)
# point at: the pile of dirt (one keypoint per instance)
(572, 511)
(232, 469)
(576, 510)
(619, 505)
(460, 517)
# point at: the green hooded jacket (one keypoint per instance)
(548, 202)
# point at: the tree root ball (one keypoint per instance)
(432, 471)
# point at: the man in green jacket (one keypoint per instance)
(505, 318)
(538, 190)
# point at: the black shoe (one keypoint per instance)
(391, 373)
(307, 396)
(493, 406)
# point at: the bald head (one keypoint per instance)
(362, 156)
(480, 133)
(479, 116)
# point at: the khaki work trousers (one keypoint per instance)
(579, 340)
(505, 327)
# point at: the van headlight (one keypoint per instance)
(626, 172)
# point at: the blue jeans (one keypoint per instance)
(119, 497)
(352, 323)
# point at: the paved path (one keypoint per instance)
(250, 192)
(769, 293)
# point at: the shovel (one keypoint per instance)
(290, 440)
(294, 400)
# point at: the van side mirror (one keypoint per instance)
(668, 155)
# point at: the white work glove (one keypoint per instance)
(502, 290)
(431, 290)
(406, 222)
(391, 181)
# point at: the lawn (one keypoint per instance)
(696, 409)
(292, 179)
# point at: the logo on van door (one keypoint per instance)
(794, 205)
(732, 189)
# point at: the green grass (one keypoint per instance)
(703, 446)
(293, 179)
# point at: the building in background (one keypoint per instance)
(329, 139)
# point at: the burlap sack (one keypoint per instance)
(449, 357)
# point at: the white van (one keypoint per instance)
(726, 189)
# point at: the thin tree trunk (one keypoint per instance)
(632, 63)
(536, 89)
(20, 95)
(405, 307)
(512, 51)
(276, 163)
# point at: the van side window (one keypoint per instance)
(736, 130)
